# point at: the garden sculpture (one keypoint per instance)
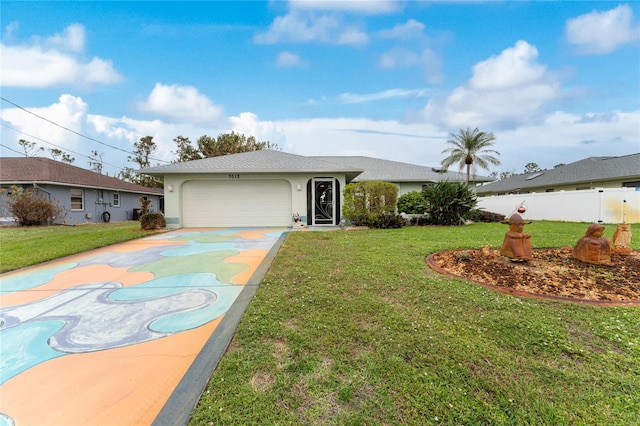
(621, 243)
(516, 244)
(593, 247)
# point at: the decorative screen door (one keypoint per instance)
(324, 207)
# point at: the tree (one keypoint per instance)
(64, 157)
(96, 161)
(469, 148)
(532, 167)
(145, 147)
(230, 143)
(186, 151)
(29, 148)
(502, 175)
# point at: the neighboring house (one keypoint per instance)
(408, 177)
(86, 196)
(590, 173)
(268, 187)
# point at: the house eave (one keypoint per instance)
(77, 185)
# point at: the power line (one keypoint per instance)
(73, 131)
(51, 143)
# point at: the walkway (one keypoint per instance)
(127, 334)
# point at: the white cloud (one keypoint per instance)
(558, 137)
(368, 7)
(411, 29)
(504, 90)
(603, 32)
(299, 27)
(399, 57)
(182, 103)
(563, 137)
(352, 98)
(55, 61)
(69, 112)
(290, 60)
(72, 39)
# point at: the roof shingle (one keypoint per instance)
(592, 169)
(21, 170)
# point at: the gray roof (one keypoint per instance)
(263, 161)
(395, 171)
(592, 169)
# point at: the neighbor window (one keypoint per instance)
(77, 199)
(116, 199)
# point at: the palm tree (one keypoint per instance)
(468, 148)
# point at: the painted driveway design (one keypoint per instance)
(104, 338)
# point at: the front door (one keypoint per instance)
(324, 206)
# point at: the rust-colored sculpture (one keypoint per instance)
(621, 243)
(593, 247)
(516, 244)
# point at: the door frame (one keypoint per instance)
(328, 221)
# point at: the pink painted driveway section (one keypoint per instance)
(105, 337)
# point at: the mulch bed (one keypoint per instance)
(553, 273)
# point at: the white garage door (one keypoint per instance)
(208, 203)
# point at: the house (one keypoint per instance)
(86, 196)
(590, 173)
(408, 177)
(269, 188)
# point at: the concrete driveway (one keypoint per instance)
(128, 334)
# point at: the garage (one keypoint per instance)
(215, 203)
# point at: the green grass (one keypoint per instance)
(352, 328)
(26, 246)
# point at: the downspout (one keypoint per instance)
(35, 185)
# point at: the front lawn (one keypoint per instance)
(30, 245)
(353, 328)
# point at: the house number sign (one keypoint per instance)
(234, 176)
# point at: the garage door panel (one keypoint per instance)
(208, 203)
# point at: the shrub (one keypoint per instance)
(30, 209)
(478, 215)
(412, 203)
(145, 205)
(371, 204)
(449, 203)
(151, 221)
(388, 220)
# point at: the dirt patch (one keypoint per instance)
(552, 272)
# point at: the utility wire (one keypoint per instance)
(73, 131)
(51, 143)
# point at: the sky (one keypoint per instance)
(555, 81)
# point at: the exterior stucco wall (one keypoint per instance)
(173, 185)
(96, 201)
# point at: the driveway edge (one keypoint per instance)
(178, 408)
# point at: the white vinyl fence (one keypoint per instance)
(605, 205)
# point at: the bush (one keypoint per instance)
(30, 209)
(412, 203)
(151, 221)
(388, 220)
(478, 215)
(371, 204)
(449, 203)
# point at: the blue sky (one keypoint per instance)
(554, 81)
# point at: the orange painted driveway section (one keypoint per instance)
(104, 338)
